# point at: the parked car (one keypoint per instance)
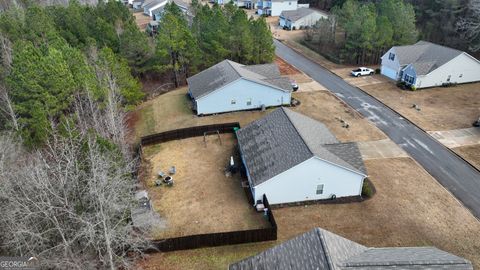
(362, 71)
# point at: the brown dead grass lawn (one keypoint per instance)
(171, 111)
(328, 109)
(203, 199)
(441, 108)
(470, 153)
(409, 209)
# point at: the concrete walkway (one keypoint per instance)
(457, 137)
(380, 149)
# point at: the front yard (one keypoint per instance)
(203, 199)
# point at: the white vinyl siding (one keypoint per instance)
(461, 69)
(246, 94)
(300, 183)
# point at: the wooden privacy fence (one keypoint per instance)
(184, 133)
(220, 239)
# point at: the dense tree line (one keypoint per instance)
(447, 22)
(66, 168)
(52, 54)
(360, 33)
(216, 33)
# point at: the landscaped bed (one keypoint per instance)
(203, 199)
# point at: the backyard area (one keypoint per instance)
(202, 199)
(409, 209)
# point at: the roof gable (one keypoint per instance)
(425, 56)
(284, 139)
(321, 249)
(404, 256)
(294, 15)
(228, 71)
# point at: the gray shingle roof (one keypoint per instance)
(284, 139)
(153, 3)
(294, 15)
(228, 71)
(323, 250)
(425, 56)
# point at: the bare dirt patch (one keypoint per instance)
(286, 68)
(440, 108)
(328, 109)
(141, 20)
(470, 153)
(203, 199)
(409, 209)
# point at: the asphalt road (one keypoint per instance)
(451, 171)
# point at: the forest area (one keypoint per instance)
(361, 31)
(70, 72)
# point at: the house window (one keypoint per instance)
(233, 102)
(391, 56)
(249, 102)
(461, 75)
(319, 189)
(409, 79)
(449, 77)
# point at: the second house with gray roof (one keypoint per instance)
(230, 86)
(293, 158)
(426, 64)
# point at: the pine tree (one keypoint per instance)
(175, 44)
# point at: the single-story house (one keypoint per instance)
(148, 8)
(229, 86)
(137, 4)
(275, 7)
(293, 158)
(426, 64)
(321, 249)
(300, 18)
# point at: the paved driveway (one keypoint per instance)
(451, 171)
(458, 137)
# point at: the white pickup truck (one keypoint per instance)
(362, 71)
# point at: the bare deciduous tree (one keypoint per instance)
(70, 203)
(469, 26)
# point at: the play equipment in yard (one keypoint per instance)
(172, 170)
(168, 180)
(416, 107)
(161, 174)
(211, 132)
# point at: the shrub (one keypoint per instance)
(377, 71)
(367, 190)
(413, 88)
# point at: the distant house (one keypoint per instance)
(426, 64)
(184, 7)
(150, 7)
(275, 7)
(229, 86)
(293, 158)
(300, 18)
(321, 249)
